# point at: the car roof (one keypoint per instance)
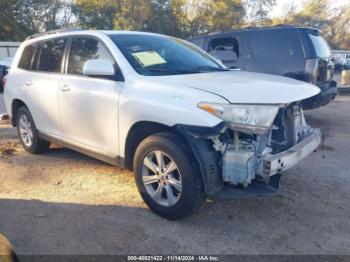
(254, 29)
(75, 31)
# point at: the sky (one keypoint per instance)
(278, 9)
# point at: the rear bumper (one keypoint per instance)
(327, 94)
(273, 164)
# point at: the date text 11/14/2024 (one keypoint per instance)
(173, 258)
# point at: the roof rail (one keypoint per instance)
(54, 32)
(283, 25)
(269, 27)
(216, 32)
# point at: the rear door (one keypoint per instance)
(89, 105)
(42, 64)
(275, 51)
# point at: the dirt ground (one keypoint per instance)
(62, 202)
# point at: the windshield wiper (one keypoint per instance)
(210, 68)
(170, 70)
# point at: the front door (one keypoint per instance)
(89, 105)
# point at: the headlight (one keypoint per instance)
(256, 119)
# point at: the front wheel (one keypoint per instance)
(166, 176)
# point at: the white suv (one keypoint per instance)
(185, 125)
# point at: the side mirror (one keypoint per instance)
(98, 67)
(225, 55)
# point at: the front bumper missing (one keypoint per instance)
(277, 163)
(273, 164)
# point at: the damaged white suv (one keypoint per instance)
(162, 107)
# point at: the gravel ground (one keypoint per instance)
(62, 202)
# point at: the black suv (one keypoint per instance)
(296, 52)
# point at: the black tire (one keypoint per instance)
(175, 147)
(38, 145)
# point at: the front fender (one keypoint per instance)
(168, 105)
(207, 158)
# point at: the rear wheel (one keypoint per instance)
(166, 177)
(27, 133)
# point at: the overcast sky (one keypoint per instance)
(278, 9)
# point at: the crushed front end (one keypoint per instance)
(238, 162)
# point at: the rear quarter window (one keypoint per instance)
(275, 44)
(26, 58)
(320, 45)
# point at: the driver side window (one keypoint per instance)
(84, 49)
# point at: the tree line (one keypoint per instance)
(181, 18)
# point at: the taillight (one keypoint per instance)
(4, 81)
(311, 67)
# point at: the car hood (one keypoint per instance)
(245, 87)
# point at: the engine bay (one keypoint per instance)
(242, 154)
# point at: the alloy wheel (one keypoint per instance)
(26, 130)
(161, 178)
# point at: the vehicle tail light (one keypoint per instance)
(4, 81)
(311, 68)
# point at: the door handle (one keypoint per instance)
(64, 87)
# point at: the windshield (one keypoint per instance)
(321, 47)
(153, 55)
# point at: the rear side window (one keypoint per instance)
(224, 44)
(84, 49)
(51, 54)
(275, 44)
(26, 58)
(321, 47)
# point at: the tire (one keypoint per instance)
(28, 134)
(174, 201)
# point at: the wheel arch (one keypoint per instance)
(138, 132)
(203, 157)
(15, 106)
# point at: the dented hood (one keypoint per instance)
(245, 87)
